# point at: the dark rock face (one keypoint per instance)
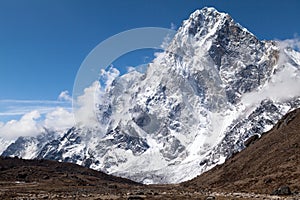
(172, 148)
(232, 44)
(251, 140)
(283, 190)
(136, 144)
(49, 151)
(142, 120)
(14, 147)
(127, 141)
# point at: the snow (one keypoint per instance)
(4, 143)
(181, 108)
(31, 151)
(294, 55)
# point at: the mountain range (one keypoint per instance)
(268, 168)
(214, 87)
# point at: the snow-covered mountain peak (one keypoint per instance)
(199, 27)
(203, 21)
(188, 112)
(212, 43)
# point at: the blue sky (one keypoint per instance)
(43, 43)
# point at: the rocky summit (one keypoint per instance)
(214, 86)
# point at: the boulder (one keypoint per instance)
(210, 198)
(251, 140)
(283, 190)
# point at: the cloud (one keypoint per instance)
(64, 96)
(19, 111)
(130, 69)
(85, 105)
(37, 115)
(140, 68)
(107, 77)
(30, 117)
(293, 43)
(33, 123)
(30, 101)
(9, 107)
(59, 119)
(282, 86)
(26, 126)
(166, 42)
(173, 26)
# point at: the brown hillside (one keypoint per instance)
(44, 179)
(35, 179)
(270, 162)
(15, 169)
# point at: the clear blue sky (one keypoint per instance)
(42, 43)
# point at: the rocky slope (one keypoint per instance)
(269, 162)
(210, 90)
(44, 179)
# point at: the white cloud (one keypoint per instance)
(34, 115)
(59, 119)
(33, 123)
(285, 83)
(140, 68)
(293, 43)
(166, 42)
(85, 106)
(109, 76)
(10, 107)
(130, 69)
(30, 101)
(282, 86)
(19, 111)
(37, 115)
(26, 126)
(64, 96)
(173, 26)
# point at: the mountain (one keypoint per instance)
(29, 147)
(214, 86)
(270, 162)
(4, 144)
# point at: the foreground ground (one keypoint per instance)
(35, 190)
